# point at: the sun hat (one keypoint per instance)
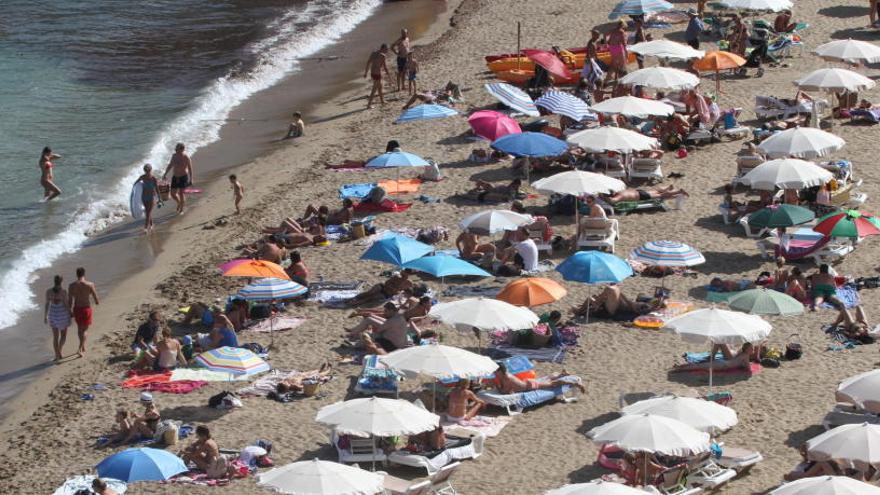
(146, 397)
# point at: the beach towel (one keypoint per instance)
(196, 478)
(356, 191)
(543, 266)
(848, 294)
(333, 297)
(280, 323)
(266, 383)
(546, 354)
(472, 290)
(77, 483)
(872, 115)
(754, 369)
(178, 387)
(348, 165)
(376, 378)
(204, 375)
(335, 232)
(386, 206)
(488, 426)
(139, 379)
(328, 285)
(400, 186)
(701, 357)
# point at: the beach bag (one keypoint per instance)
(217, 400)
(167, 432)
(793, 350)
(310, 387)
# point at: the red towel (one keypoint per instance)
(386, 206)
(141, 378)
(178, 387)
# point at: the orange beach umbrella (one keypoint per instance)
(718, 61)
(253, 268)
(533, 291)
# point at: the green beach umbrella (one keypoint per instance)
(780, 216)
(849, 223)
(765, 302)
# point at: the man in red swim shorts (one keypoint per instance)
(376, 64)
(80, 295)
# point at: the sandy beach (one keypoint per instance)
(50, 433)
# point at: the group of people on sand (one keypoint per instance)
(407, 67)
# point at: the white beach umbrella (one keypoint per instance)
(661, 78)
(826, 485)
(489, 222)
(608, 138)
(321, 478)
(759, 5)
(651, 433)
(850, 51)
(701, 414)
(855, 443)
(786, 173)
(834, 79)
(632, 106)
(596, 487)
(666, 49)
(579, 183)
(862, 390)
(801, 142)
(440, 362)
(719, 326)
(485, 314)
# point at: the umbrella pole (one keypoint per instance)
(718, 84)
(518, 34)
(373, 453)
(271, 324)
(646, 469)
(577, 223)
(711, 366)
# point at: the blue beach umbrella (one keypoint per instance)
(397, 250)
(426, 111)
(142, 464)
(443, 265)
(266, 289)
(639, 7)
(394, 159)
(594, 267)
(531, 144)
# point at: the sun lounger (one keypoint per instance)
(770, 107)
(472, 448)
(441, 483)
(358, 450)
(610, 166)
(376, 378)
(598, 233)
(397, 486)
(752, 233)
(744, 165)
(517, 402)
(627, 207)
(847, 198)
(646, 168)
(673, 481)
(739, 459)
(871, 115)
(709, 474)
(537, 232)
(824, 250)
(847, 414)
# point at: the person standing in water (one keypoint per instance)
(375, 66)
(182, 177)
(56, 314)
(401, 48)
(80, 295)
(149, 195)
(47, 177)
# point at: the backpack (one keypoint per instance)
(793, 350)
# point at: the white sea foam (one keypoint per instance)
(276, 57)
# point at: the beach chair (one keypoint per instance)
(441, 483)
(819, 250)
(744, 165)
(709, 474)
(610, 166)
(751, 233)
(847, 198)
(516, 403)
(847, 414)
(376, 378)
(358, 450)
(673, 481)
(645, 168)
(739, 459)
(731, 128)
(398, 486)
(598, 233)
(536, 233)
(462, 443)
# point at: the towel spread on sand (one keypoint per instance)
(333, 298)
(400, 186)
(204, 375)
(754, 369)
(472, 291)
(547, 354)
(73, 485)
(275, 325)
(138, 379)
(489, 426)
(356, 191)
(386, 206)
(178, 387)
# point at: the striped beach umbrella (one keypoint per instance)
(639, 7)
(233, 360)
(562, 103)
(849, 223)
(427, 111)
(667, 253)
(513, 97)
(266, 289)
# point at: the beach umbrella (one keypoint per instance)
(491, 125)
(396, 249)
(786, 173)
(83, 484)
(318, 477)
(607, 138)
(661, 78)
(855, 443)
(562, 103)
(834, 80)
(142, 464)
(783, 215)
(863, 390)
(826, 485)
(765, 302)
(632, 106)
(549, 61)
(235, 360)
(849, 223)
(850, 51)
(596, 487)
(440, 362)
(253, 268)
(513, 97)
(530, 144)
(266, 289)
(666, 49)
(443, 265)
(667, 253)
(426, 111)
(531, 291)
(579, 183)
(485, 314)
(758, 5)
(490, 222)
(801, 142)
(701, 414)
(594, 267)
(718, 61)
(395, 159)
(639, 7)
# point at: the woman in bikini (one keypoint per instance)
(149, 195)
(47, 177)
(617, 48)
(56, 314)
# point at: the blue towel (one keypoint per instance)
(356, 191)
(848, 294)
(535, 397)
(701, 357)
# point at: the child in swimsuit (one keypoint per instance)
(412, 70)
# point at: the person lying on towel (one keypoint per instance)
(644, 194)
(732, 361)
(611, 304)
(507, 383)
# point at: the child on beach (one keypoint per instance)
(412, 70)
(237, 192)
(296, 128)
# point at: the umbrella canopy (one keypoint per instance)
(862, 390)
(596, 487)
(579, 183)
(492, 125)
(826, 485)
(608, 138)
(426, 111)
(485, 314)
(397, 250)
(667, 49)
(266, 289)
(667, 253)
(549, 61)
(143, 464)
(762, 5)
(765, 302)
(253, 268)
(490, 222)
(651, 433)
(513, 97)
(783, 215)
(594, 267)
(235, 360)
(632, 106)
(375, 416)
(532, 291)
(719, 326)
(443, 265)
(639, 7)
(534, 144)
(850, 51)
(703, 415)
(393, 159)
(562, 103)
(849, 223)
(834, 79)
(856, 443)
(322, 478)
(718, 61)
(786, 173)
(440, 362)
(801, 142)
(661, 78)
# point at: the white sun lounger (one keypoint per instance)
(434, 464)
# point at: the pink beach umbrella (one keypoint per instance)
(492, 125)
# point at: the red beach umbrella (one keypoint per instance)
(492, 125)
(849, 223)
(549, 61)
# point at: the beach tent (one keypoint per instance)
(318, 477)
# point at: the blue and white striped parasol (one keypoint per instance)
(426, 111)
(639, 7)
(667, 253)
(562, 103)
(266, 289)
(513, 97)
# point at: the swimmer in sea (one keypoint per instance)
(47, 177)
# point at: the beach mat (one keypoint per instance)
(472, 291)
(400, 186)
(176, 387)
(545, 354)
(754, 369)
(281, 323)
(356, 191)
(848, 294)
(386, 206)
(203, 375)
(347, 165)
(490, 426)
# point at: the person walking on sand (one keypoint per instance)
(401, 48)
(56, 314)
(149, 195)
(47, 177)
(376, 64)
(80, 295)
(237, 192)
(182, 177)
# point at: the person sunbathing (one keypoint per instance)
(448, 96)
(824, 288)
(371, 320)
(718, 284)
(612, 304)
(654, 193)
(124, 424)
(391, 335)
(808, 468)
(341, 216)
(295, 383)
(469, 248)
(507, 383)
(429, 441)
(462, 404)
(268, 249)
(854, 328)
(796, 285)
(633, 468)
(397, 283)
(732, 361)
(302, 239)
(138, 427)
(314, 225)
(205, 454)
(100, 487)
(485, 191)
(781, 274)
